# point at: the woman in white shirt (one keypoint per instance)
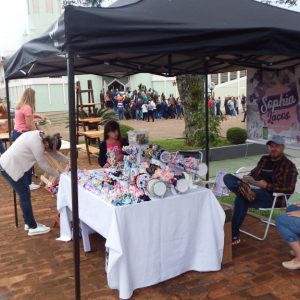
(20, 157)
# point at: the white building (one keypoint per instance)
(229, 84)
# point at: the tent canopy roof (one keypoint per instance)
(165, 37)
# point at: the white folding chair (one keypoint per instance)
(268, 222)
(244, 171)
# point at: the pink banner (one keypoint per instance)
(274, 105)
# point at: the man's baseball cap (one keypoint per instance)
(276, 139)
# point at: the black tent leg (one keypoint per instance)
(15, 209)
(9, 133)
(206, 123)
(73, 156)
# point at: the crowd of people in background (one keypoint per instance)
(232, 106)
(142, 104)
(148, 105)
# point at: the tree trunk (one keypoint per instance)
(191, 91)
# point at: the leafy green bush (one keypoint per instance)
(236, 135)
(196, 134)
(124, 129)
(106, 114)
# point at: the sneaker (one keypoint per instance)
(40, 229)
(34, 186)
(291, 265)
(26, 227)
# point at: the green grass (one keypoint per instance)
(220, 142)
(173, 145)
(124, 129)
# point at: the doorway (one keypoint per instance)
(116, 86)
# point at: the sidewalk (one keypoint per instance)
(232, 165)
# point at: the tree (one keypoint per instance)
(91, 3)
(191, 89)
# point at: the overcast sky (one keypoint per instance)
(13, 23)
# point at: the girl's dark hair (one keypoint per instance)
(53, 140)
(111, 126)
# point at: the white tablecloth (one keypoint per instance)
(152, 241)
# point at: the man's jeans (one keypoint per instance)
(289, 227)
(139, 114)
(263, 199)
(22, 189)
(121, 113)
(28, 174)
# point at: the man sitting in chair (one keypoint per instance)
(274, 173)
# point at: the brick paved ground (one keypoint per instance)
(42, 268)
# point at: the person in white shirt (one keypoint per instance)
(20, 157)
(145, 111)
(151, 110)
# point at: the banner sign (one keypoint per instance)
(273, 106)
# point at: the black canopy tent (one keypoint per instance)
(152, 35)
(165, 37)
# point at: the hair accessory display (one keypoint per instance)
(136, 182)
(182, 186)
(131, 152)
(165, 157)
(164, 175)
(152, 169)
(153, 151)
(156, 188)
(111, 158)
(142, 180)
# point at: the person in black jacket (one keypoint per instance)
(113, 142)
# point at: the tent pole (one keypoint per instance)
(206, 120)
(9, 134)
(73, 156)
